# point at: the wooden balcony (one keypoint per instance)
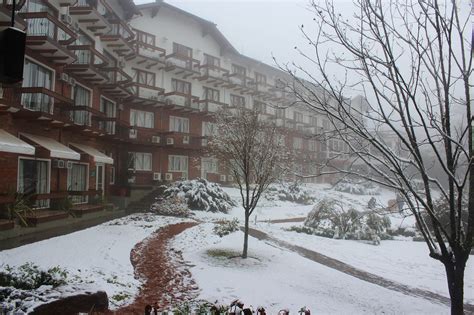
(47, 36)
(213, 75)
(149, 56)
(5, 14)
(119, 39)
(238, 83)
(88, 15)
(182, 102)
(211, 106)
(182, 66)
(117, 83)
(89, 64)
(145, 95)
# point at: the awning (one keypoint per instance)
(98, 156)
(57, 149)
(10, 143)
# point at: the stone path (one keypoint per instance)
(360, 274)
(166, 280)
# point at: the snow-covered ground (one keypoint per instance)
(275, 278)
(99, 255)
(280, 279)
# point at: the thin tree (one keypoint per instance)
(412, 62)
(254, 154)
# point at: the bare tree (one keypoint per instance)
(412, 61)
(254, 154)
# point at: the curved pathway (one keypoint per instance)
(358, 273)
(166, 280)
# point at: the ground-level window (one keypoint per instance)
(33, 178)
(77, 181)
(210, 165)
(297, 143)
(177, 163)
(179, 124)
(139, 161)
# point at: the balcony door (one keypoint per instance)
(109, 109)
(100, 177)
(35, 75)
(82, 97)
(33, 178)
(77, 181)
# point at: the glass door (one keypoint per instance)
(33, 178)
(77, 181)
(99, 171)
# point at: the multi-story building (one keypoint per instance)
(118, 96)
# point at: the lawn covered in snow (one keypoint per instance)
(278, 279)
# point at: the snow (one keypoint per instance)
(277, 279)
(272, 277)
(98, 255)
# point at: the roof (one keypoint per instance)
(57, 149)
(98, 156)
(208, 26)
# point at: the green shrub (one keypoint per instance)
(225, 227)
(29, 276)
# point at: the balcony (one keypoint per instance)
(117, 83)
(145, 95)
(211, 106)
(183, 102)
(39, 103)
(238, 83)
(182, 66)
(214, 75)
(91, 15)
(5, 14)
(89, 64)
(48, 36)
(119, 38)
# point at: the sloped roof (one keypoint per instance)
(208, 26)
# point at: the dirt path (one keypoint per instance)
(360, 274)
(166, 280)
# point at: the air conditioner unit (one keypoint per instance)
(66, 19)
(131, 180)
(121, 63)
(169, 63)
(58, 163)
(230, 178)
(72, 81)
(222, 178)
(168, 101)
(156, 176)
(184, 175)
(120, 106)
(133, 133)
(155, 139)
(169, 176)
(64, 77)
(69, 165)
(76, 27)
(185, 139)
(169, 140)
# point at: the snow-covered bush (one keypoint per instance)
(332, 218)
(29, 276)
(175, 207)
(293, 192)
(225, 227)
(200, 194)
(357, 187)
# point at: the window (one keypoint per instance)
(179, 124)
(108, 108)
(35, 75)
(181, 86)
(208, 128)
(112, 176)
(210, 165)
(298, 117)
(260, 107)
(177, 163)
(211, 94)
(312, 145)
(239, 70)
(212, 61)
(326, 124)
(297, 143)
(82, 97)
(237, 100)
(280, 113)
(182, 51)
(260, 78)
(143, 119)
(145, 77)
(313, 121)
(139, 161)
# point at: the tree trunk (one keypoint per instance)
(455, 276)
(246, 236)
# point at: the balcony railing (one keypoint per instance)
(44, 24)
(40, 99)
(88, 55)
